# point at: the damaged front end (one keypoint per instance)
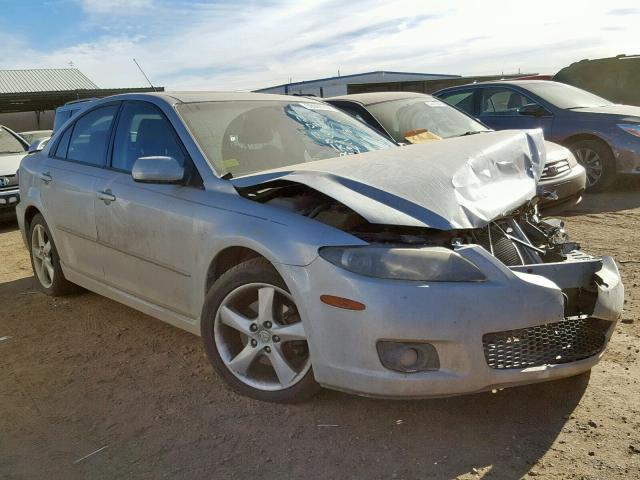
(477, 205)
(522, 241)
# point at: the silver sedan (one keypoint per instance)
(307, 250)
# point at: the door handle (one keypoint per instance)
(106, 196)
(45, 177)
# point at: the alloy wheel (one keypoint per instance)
(260, 337)
(592, 163)
(42, 256)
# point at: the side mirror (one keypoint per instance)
(532, 110)
(38, 145)
(157, 169)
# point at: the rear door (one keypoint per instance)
(146, 231)
(67, 187)
(498, 108)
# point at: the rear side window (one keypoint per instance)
(462, 100)
(88, 143)
(143, 131)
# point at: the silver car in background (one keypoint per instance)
(306, 249)
(12, 149)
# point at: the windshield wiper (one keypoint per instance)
(472, 132)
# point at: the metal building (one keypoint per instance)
(332, 86)
(28, 98)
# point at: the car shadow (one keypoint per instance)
(129, 368)
(8, 226)
(622, 195)
(501, 435)
(22, 286)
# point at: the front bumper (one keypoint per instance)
(8, 201)
(453, 317)
(626, 150)
(568, 187)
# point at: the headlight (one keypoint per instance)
(431, 264)
(633, 129)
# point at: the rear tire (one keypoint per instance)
(597, 159)
(45, 260)
(254, 337)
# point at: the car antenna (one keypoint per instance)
(145, 75)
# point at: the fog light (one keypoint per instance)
(408, 357)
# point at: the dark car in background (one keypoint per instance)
(604, 137)
(407, 117)
(70, 109)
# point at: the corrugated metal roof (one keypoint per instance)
(418, 75)
(44, 80)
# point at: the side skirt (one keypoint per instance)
(185, 323)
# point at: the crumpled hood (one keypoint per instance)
(9, 164)
(465, 182)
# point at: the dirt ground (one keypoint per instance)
(83, 374)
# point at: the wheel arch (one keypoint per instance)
(578, 137)
(226, 259)
(29, 213)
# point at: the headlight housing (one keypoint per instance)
(632, 128)
(430, 264)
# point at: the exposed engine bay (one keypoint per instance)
(522, 241)
(522, 238)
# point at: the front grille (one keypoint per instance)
(12, 182)
(553, 343)
(553, 169)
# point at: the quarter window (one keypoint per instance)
(143, 132)
(90, 136)
(501, 101)
(63, 144)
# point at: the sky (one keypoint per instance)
(234, 45)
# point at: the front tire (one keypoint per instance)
(597, 159)
(45, 260)
(254, 336)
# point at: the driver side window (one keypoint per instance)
(143, 131)
(501, 101)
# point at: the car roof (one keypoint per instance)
(522, 83)
(195, 96)
(377, 97)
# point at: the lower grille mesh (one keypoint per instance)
(553, 343)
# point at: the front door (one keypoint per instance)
(146, 231)
(499, 108)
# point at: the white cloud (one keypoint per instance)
(232, 45)
(109, 6)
